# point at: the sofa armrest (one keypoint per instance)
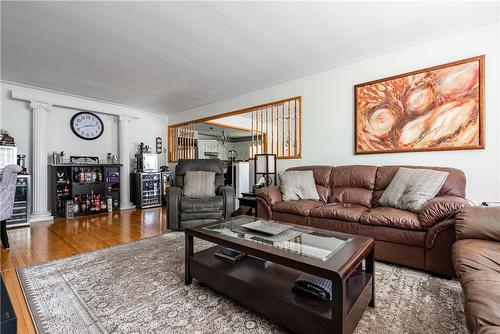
(441, 208)
(478, 223)
(174, 207)
(228, 194)
(271, 195)
(436, 229)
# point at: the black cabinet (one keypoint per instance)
(91, 187)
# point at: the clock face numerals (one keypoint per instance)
(87, 125)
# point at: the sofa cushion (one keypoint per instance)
(393, 235)
(321, 174)
(353, 184)
(297, 185)
(411, 188)
(323, 192)
(334, 225)
(340, 211)
(453, 186)
(301, 207)
(474, 254)
(358, 196)
(481, 300)
(195, 205)
(391, 217)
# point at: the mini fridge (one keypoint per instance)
(22, 201)
(145, 189)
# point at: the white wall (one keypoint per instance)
(328, 108)
(16, 118)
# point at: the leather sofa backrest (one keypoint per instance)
(364, 185)
(453, 186)
(353, 184)
(205, 165)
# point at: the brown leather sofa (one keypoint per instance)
(349, 203)
(476, 256)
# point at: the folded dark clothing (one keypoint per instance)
(310, 293)
(314, 286)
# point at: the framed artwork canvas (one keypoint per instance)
(433, 109)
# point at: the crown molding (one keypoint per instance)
(71, 102)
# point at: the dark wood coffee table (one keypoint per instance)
(267, 289)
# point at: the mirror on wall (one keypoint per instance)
(221, 141)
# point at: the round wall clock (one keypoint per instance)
(87, 125)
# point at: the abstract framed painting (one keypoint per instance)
(433, 109)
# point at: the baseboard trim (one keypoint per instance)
(127, 207)
(41, 218)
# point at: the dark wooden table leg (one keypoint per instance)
(3, 234)
(338, 307)
(370, 268)
(188, 254)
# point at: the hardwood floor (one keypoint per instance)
(49, 241)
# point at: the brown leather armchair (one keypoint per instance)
(184, 211)
(476, 257)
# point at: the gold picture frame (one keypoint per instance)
(433, 109)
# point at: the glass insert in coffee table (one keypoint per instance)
(297, 240)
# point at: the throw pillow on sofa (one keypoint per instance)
(411, 188)
(295, 185)
(198, 184)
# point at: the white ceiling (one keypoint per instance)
(173, 56)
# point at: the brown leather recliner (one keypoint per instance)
(476, 256)
(349, 203)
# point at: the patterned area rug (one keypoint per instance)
(139, 288)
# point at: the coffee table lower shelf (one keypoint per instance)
(268, 291)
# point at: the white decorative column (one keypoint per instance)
(39, 168)
(124, 155)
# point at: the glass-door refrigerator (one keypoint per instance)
(146, 189)
(22, 203)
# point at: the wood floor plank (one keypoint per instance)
(44, 242)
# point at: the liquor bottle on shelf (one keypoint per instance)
(87, 202)
(76, 175)
(97, 203)
(81, 176)
(77, 205)
(109, 203)
(62, 190)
